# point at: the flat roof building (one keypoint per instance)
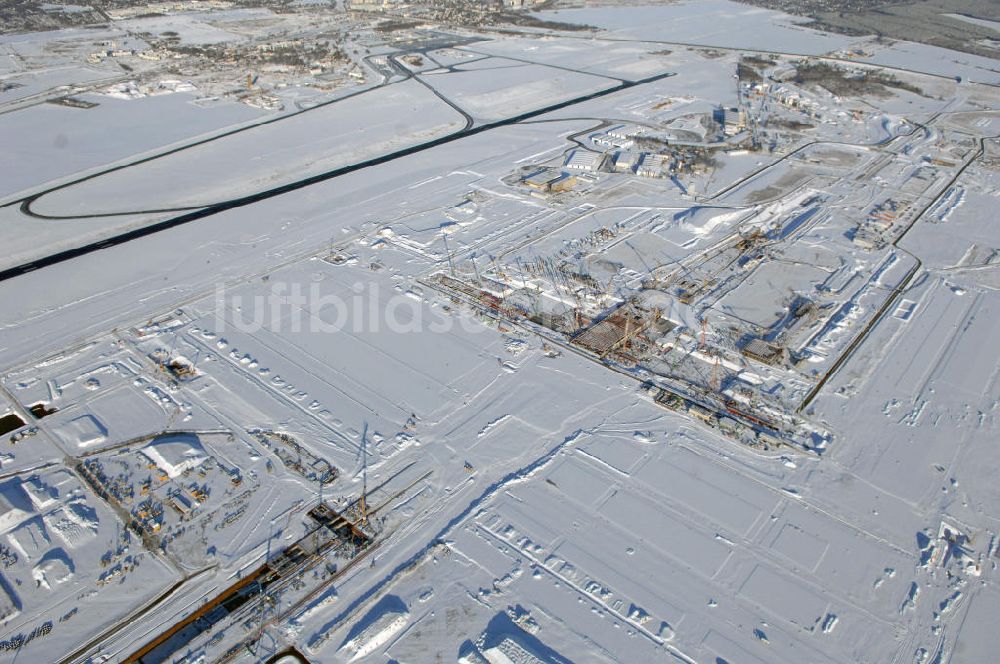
(542, 179)
(626, 131)
(626, 161)
(650, 166)
(582, 160)
(564, 182)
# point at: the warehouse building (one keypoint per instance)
(651, 166)
(581, 160)
(629, 131)
(626, 161)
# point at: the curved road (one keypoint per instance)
(201, 213)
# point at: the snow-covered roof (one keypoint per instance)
(176, 453)
(584, 160)
(10, 515)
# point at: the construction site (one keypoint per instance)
(657, 324)
(334, 543)
(368, 332)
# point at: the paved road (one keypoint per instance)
(216, 208)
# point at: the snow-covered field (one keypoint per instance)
(500, 88)
(348, 131)
(516, 396)
(719, 23)
(614, 59)
(76, 140)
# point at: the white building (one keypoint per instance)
(175, 453)
(607, 141)
(581, 160)
(10, 516)
(651, 166)
(733, 121)
(603, 140)
(626, 161)
(628, 131)
(509, 651)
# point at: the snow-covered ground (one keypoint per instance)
(499, 88)
(738, 409)
(348, 131)
(719, 23)
(76, 140)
